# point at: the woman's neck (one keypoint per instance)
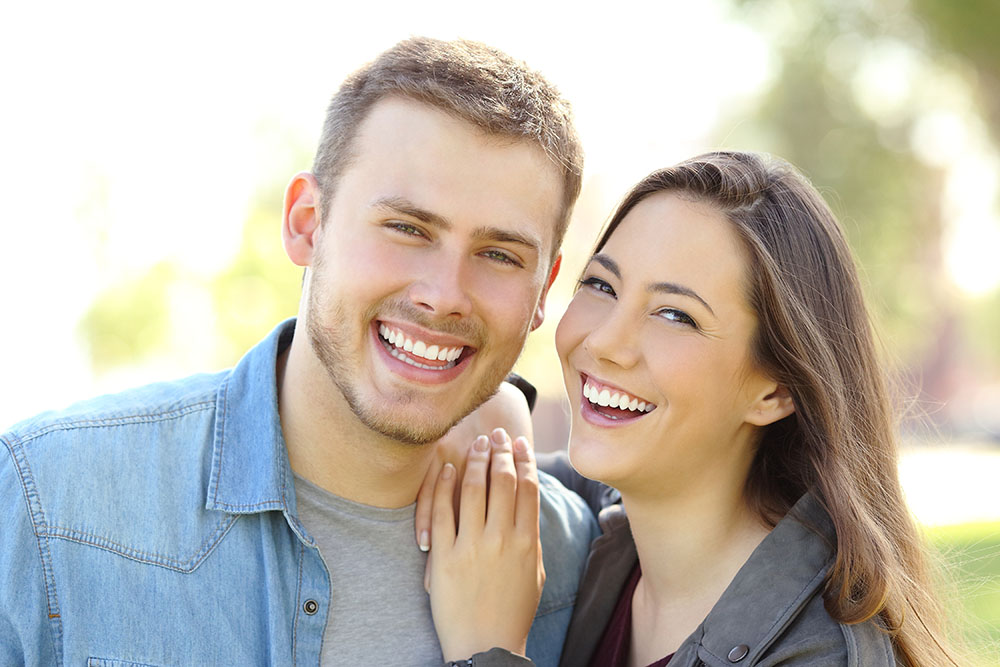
(690, 547)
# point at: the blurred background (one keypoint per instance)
(144, 150)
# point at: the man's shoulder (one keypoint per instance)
(567, 527)
(149, 404)
(125, 473)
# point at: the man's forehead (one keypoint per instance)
(414, 153)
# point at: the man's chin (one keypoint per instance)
(408, 433)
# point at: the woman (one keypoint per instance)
(725, 382)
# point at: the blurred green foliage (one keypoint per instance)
(971, 556)
(136, 321)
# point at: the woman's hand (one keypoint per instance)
(486, 576)
(507, 409)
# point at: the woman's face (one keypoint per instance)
(655, 353)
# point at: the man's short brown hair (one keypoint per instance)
(474, 82)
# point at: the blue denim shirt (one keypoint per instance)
(158, 526)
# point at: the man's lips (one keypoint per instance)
(411, 348)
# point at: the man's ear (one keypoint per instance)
(540, 310)
(775, 403)
(300, 219)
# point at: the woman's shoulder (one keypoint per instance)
(815, 638)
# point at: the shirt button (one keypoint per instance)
(310, 607)
(737, 653)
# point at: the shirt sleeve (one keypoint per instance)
(26, 634)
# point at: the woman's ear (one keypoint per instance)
(774, 404)
(301, 218)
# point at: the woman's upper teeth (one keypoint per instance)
(615, 399)
(418, 347)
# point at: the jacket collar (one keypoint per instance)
(250, 471)
(781, 576)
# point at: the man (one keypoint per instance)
(262, 515)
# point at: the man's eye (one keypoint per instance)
(502, 257)
(598, 285)
(405, 228)
(679, 316)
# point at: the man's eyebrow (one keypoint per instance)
(406, 207)
(498, 235)
(662, 288)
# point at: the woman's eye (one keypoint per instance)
(597, 284)
(678, 316)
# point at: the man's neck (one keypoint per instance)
(331, 448)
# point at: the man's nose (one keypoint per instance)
(443, 287)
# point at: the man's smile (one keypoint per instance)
(417, 350)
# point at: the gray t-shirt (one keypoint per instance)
(379, 611)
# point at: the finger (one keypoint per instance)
(526, 510)
(503, 482)
(427, 572)
(443, 515)
(472, 517)
(425, 504)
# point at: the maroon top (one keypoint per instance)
(613, 649)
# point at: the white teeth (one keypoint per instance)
(605, 398)
(419, 347)
(402, 357)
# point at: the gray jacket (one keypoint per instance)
(772, 612)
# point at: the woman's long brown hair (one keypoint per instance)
(815, 337)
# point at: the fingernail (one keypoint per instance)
(425, 541)
(448, 472)
(521, 445)
(481, 444)
(499, 436)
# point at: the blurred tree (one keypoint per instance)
(152, 317)
(971, 30)
(855, 82)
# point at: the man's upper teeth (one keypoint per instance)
(418, 347)
(615, 399)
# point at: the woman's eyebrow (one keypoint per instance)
(608, 263)
(661, 288)
(674, 288)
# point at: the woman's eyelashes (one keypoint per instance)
(596, 284)
(678, 316)
(670, 314)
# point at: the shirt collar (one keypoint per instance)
(250, 470)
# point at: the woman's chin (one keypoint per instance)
(595, 460)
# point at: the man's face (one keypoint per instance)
(430, 267)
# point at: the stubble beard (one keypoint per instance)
(330, 345)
